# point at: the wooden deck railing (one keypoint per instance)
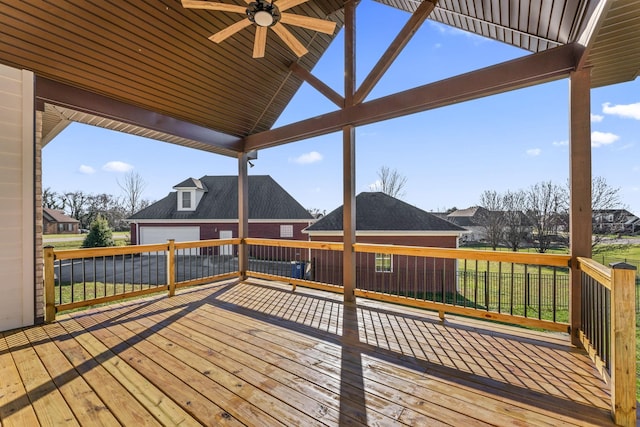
(82, 277)
(518, 288)
(608, 331)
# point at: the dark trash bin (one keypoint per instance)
(297, 269)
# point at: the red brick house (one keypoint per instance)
(56, 222)
(383, 219)
(207, 208)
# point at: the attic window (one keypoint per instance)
(186, 200)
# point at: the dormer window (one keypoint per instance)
(186, 200)
(190, 192)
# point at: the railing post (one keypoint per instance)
(623, 348)
(49, 284)
(171, 267)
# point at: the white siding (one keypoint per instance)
(16, 198)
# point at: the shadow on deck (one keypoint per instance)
(254, 353)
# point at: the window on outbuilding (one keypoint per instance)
(286, 231)
(384, 263)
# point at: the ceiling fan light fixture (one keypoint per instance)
(263, 18)
(263, 14)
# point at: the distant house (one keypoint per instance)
(615, 221)
(471, 219)
(476, 219)
(207, 208)
(56, 222)
(383, 219)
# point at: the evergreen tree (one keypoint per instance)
(100, 234)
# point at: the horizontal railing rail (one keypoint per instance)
(607, 330)
(83, 277)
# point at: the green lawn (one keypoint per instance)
(121, 238)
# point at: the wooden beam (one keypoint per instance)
(57, 93)
(417, 18)
(580, 189)
(317, 84)
(527, 71)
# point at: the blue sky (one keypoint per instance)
(449, 155)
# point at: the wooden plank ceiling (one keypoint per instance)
(155, 56)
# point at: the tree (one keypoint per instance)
(52, 200)
(133, 186)
(603, 198)
(75, 205)
(100, 234)
(491, 218)
(545, 203)
(514, 220)
(390, 182)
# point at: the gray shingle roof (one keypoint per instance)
(380, 212)
(191, 183)
(267, 200)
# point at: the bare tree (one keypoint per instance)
(491, 218)
(133, 186)
(545, 202)
(605, 201)
(390, 182)
(514, 219)
(52, 200)
(75, 204)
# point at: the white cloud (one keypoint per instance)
(560, 143)
(305, 159)
(117, 166)
(598, 139)
(87, 170)
(629, 111)
(596, 118)
(376, 186)
(533, 152)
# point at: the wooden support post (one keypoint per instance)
(243, 214)
(349, 156)
(49, 284)
(171, 267)
(580, 227)
(623, 344)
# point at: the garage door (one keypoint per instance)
(151, 235)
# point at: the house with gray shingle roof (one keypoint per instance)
(207, 208)
(382, 219)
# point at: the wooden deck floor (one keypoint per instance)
(257, 354)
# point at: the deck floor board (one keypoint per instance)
(256, 354)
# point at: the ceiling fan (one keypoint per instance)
(265, 15)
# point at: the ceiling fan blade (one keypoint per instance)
(210, 5)
(315, 24)
(288, 4)
(230, 30)
(260, 42)
(289, 39)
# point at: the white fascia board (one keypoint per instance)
(389, 233)
(224, 221)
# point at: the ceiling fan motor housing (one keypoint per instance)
(263, 14)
